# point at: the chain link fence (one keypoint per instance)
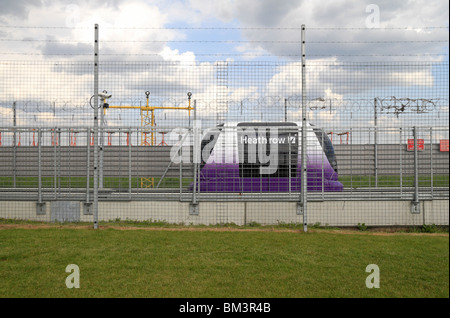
(207, 142)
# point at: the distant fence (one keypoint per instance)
(353, 160)
(383, 184)
(139, 161)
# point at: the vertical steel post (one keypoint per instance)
(285, 109)
(199, 143)
(351, 160)
(415, 204)
(69, 137)
(290, 163)
(95, 212)
(181, 168)
(195, 154)
(375, 141)
(14, 145)
(416, 168)
(40, 207)
(39, 168)
(431, 161)
(88, 156)
(129, 163)
(59, 161)
(54, 162)
(101, 144)
(322, 157)
(303, 194)
(138, 133)
(401, 163)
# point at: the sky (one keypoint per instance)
(202, 32)
(248, 21)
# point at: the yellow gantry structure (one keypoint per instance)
(148, 133)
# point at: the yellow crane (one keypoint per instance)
(148, 125)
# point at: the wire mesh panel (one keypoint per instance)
(217, 139)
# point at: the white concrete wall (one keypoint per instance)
(23, 210)
(331, 213)
(370, 213)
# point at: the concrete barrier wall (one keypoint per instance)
(330, 213)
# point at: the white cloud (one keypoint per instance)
(175, 55)
(242, 93)
(423, 78)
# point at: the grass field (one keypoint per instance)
(80, 182)
(122, 183)
(187, 262)
(393, 181)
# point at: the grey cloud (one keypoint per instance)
(344, 14)
(267, 13)
(55, 48)
(21, 8)
(18, 8)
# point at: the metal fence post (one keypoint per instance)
(101, 142)
(431, 161)
(401, 163)
(88, 155)
(193, 209)
(95, 212)
(40, 208)
(59, 161)
(351, 160)
(39, 167)
(375, 142)
(290, 165)
(14, 146)
(129, 163)
(303, 194)
(322, 163)
(55, 179)
(138, 133)
(87, 205)
(415, 205)
(181, 170)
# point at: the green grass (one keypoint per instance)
(80, 182)
(393, 181)
(211, 263)
(122, 183)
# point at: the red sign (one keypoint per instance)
(420, 144)
(444, 145)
